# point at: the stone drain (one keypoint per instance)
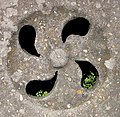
(56, 56)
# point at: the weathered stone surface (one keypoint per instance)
(68, 99)
(58, 58)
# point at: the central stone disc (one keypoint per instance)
(58, 58)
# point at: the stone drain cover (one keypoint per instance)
(38, 51)
(59, 61)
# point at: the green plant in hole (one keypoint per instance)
(89, 80)
(41, 93)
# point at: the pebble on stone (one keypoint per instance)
(68, 106)
(21, 98)
(110, 63)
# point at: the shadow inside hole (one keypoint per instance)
(89, 74)
(41, 88)
(78, 26)
(27, 36)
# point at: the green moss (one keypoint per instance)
(89, 80)
(41, 93)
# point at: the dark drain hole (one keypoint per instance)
(89, 74)
(27, 36)
(40, 88)
(78, 26)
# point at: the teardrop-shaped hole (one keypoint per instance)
(40, 88)
(78, 26)
(89, 74)
(27, 36)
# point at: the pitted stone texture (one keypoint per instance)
(58, 58)
(105, 101)
(68, 88)
(48, 32)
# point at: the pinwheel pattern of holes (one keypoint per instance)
(78, 26)
(20, 60)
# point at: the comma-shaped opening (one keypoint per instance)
(89, 74)
(27, 36)
(78, 26)
(41, 88)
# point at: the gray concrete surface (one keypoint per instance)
(101, 46)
